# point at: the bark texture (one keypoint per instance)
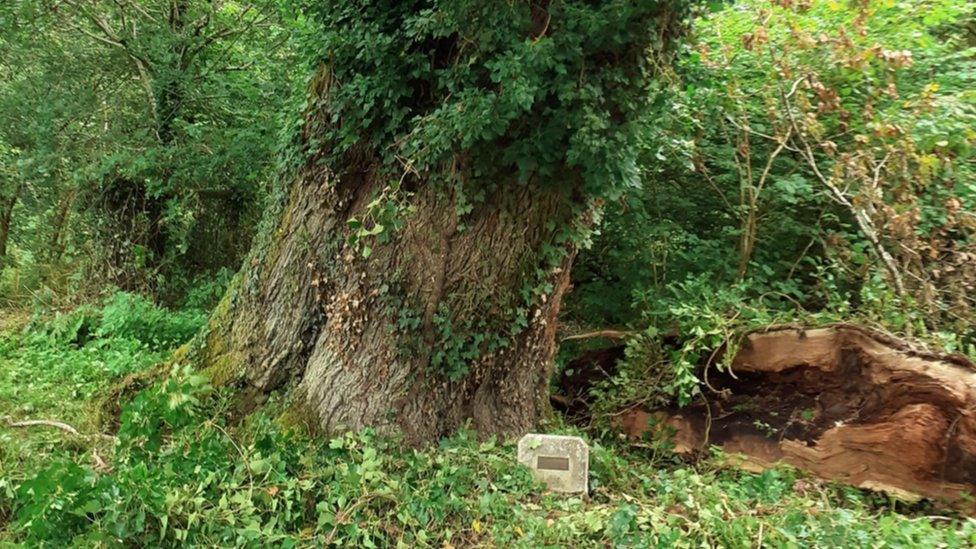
(358, 337)
(845, 404)
(7, 205)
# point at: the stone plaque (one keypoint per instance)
(563, 463)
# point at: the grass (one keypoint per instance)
(180, 475)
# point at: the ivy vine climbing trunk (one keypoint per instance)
(453, 157)
(400, 340)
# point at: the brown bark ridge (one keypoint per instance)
(362, 339)
(845, 405)
(6, 213)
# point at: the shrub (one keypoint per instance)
(132, 316)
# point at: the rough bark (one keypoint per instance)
(357, 336)
(847, 405)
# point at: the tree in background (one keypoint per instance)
(163, 120)
(49, 97)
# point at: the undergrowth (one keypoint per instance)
(660, 368)
(177, 473)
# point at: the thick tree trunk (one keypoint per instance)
(406, 340)
(451, 316)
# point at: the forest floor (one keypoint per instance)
(175, 473)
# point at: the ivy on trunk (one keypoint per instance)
(453, 157)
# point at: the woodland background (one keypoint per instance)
(799, 162)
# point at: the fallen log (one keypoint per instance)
(843, 403)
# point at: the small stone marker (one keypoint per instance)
(563, 463)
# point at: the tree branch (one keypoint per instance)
(609, 334)
(60, 425)
(861, 217)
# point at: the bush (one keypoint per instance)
(131, 316)
(122, 316)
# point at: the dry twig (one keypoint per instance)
(55, 424)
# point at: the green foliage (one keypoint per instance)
(142, 138)
(202, 483)
(206, 291)
(384, 216)
(36, 366)
(494, 82)
(643, 378)
(711, 321)
(123, 316)
(738, 227)
(208, 485)
(461, 100)
(156, 412)
(135, 317)
(57, 368)
(182, 474)
(69, 357)
(154, 179)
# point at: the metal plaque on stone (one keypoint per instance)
(561, 462)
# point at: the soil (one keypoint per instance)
(570, 397)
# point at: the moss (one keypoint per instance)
(296, 417)
(210, 352)
(179, 355)
(223, 370)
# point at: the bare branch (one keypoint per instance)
(863, 220)
(60, 425)
(609, 334)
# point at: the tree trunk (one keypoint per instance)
(418, 301)
(59, 223)
(6, 213)
(404, 340)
